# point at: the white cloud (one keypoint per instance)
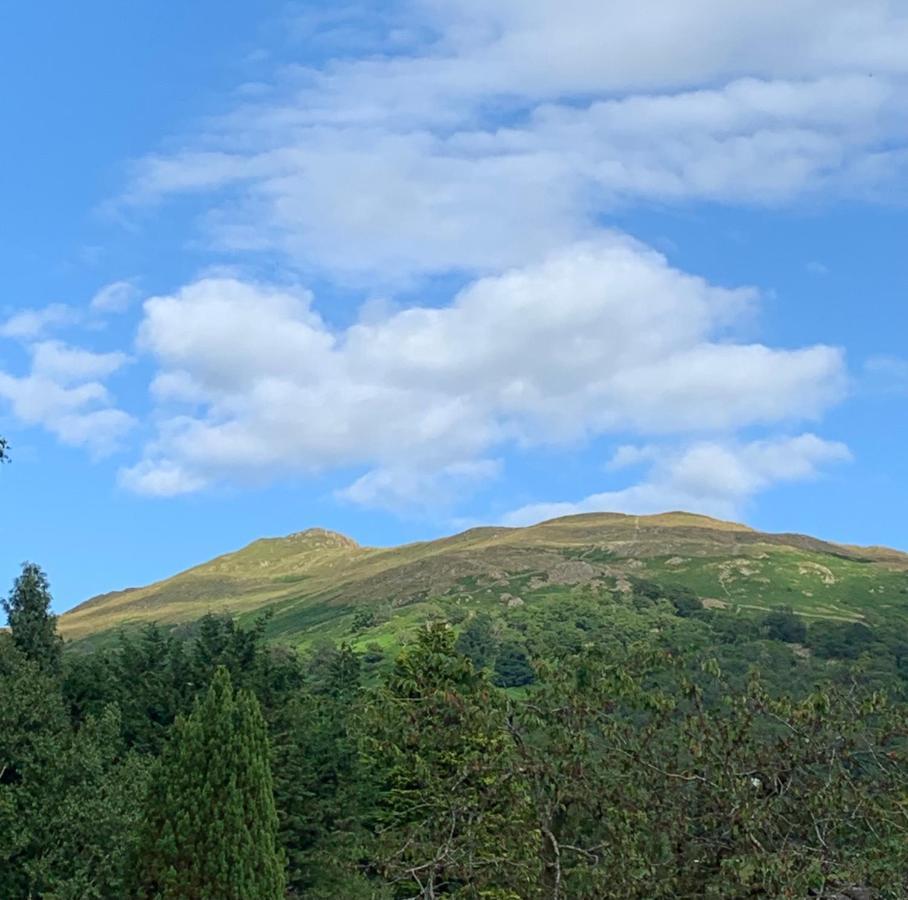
(66, 364)
(715, 478)
(159, 480)
(598, 337)
(115, 297)
(32, 323)
(583, 45)
(101, 431)
(629, 455)
(63, 393)
(79, 415)
(510, 130)
(406, 488)
(492, 139)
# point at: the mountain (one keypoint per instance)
(318, 584)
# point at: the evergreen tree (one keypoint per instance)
(512, 667)
(32, 723)
(319, 792)
(435, 740)
(219, 641)
(211, 827)
(155, 686)
(68, 812)
(477, 641)
(33, 625)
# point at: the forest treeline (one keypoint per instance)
(637, 753)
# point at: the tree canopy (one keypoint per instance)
(639, 749)
(33, 625)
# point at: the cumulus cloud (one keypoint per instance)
(715, 478)
(32, 323)
(63, 393)
(79, 415)
(492, 140)
(510, 127)
(67, 364)
(598, 337)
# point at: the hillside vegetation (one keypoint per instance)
(317, 585)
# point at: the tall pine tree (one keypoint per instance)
(211, 827)
(33, 625)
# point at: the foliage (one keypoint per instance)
(363, 620)
(67, 797)
(210, 830)
(512, 666)
(783, 625)
(33, 626)
(477, 641)
(644, 793)
(435, 739)
(842, 640)
(317, 778)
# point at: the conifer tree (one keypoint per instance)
(437, 745)
(211, 826)
(33, 625)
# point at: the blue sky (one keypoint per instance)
(397, 269)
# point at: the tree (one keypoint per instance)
(477, 641)
(221, 642)
(842, 640)
(210, 830)
(363, 620)
(33, 625)
(155, 684)
(68, 812)
(685, 601)
(642, 792)
(784, 625)
(319, 790)
(4, 450)
(32, 722)
(450, 815)
(512, 666)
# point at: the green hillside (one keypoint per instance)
(320, 585)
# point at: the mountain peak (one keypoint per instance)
(321, 537)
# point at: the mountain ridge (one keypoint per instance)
(313, 578)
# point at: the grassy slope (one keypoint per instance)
(314, 581)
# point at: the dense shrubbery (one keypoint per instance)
(633, 751)
(784, 625)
